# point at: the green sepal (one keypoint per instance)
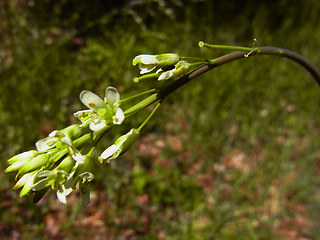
(131, 137)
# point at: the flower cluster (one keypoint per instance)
(169, 66)
(54, 162)
(58, 163)
(120, 146)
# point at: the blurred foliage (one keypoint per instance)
(232, 155)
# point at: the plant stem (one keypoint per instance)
(274, 51)
(150, 115)
(225, 47)
(138, 95)
(304, 62)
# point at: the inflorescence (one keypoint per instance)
(63, 161)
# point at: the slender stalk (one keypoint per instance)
(138, 95)
(150, 115)
(304, 62)
(142, 105)
(274, 51)
(224, 47)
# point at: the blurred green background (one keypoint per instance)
(234, 154)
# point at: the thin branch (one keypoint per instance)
(274, 51)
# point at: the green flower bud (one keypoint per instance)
(66, 164)
(27, 183)
(34, 164)
(20, 160)
(25, 155)
(73, 131)
(180, 69)
(147, 62)
(120, 146)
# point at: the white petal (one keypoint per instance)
(28, 184)
(85, 123)
(148, 59)
(53, 133)
(46, 143)
(82, 113)
(110, 151)
(66, 140)
(87, 175)
(97, 125)
(77, 156)
(166, 75)
(91, 100)
(146, 68)
(67, 191)
(61, 195)
(22, 181)
(25, 155)
(112, 95)
(118, 117)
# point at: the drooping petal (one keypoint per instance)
(82, 114)
(21, 182)
(166, 75)
(77, 156)
(118, 117)
(97, 125)
(85, 123)
(66, 140)
(87, 175)
(54, 133)
(63, 193)
(146, 68)
(112, 95)
(111, 152)
(72, 179)
(46, 143)
(62, 197)
(28, 184)
(91, 100)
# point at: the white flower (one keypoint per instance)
(180, 69)
(147, 62)
(18, 161)
(26, 183)
(101, 112)
(64, 136)
(111, 152)
(120, 146)
(63, 193)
